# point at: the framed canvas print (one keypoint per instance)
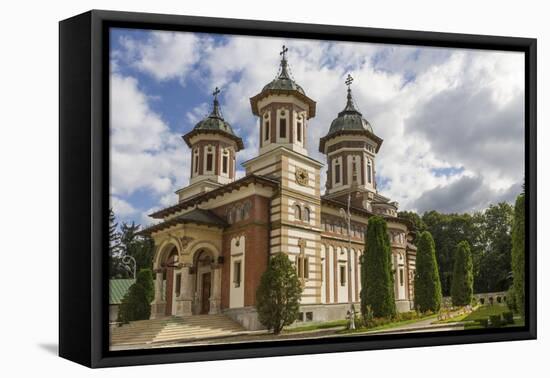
(235, 188)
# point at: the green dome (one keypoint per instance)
(283, 81)
(215, 121)
(349, 119)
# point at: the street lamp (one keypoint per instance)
(126, 261)
(347, 217)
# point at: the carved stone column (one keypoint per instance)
(215, 297)
(158, 305)
(185, 299)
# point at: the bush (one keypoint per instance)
(483, 322)
(136, 304)
(359, 323)
(499, 299)
(508, 317)
(495, 321)
(518, 255)
(409, 315)
(278, 295)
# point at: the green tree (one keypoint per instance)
(278, 295)
(518, 254)
(136, 304)
(141, 248)
(427, 285)
(416, 221)
(115, 249)
(462, 287)
(376, 271)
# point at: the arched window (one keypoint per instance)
(369, 172)
(307, 214)
(297, 212)
(299, 129)
(266, 127)
(336, 172)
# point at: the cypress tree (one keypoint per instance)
(518, 254)
(377, 289)
(462, 286)
(427, 286)
(278, 295)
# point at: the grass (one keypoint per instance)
(317, 326)
(395, 324)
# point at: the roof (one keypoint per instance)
(283, 84)
(195, 200)
(214, 123)
(350, 121)
(118, 289)
(197, 216)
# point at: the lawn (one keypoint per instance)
(317, 326)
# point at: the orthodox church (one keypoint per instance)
(214, 244)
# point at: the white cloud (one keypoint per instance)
(122, 208)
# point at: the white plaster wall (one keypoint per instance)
(236, 294)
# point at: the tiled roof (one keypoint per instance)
(118, 289)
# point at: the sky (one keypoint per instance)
(452, 120)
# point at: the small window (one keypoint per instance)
(178, 284)
(309, 316)
(354, 171)
(342, 275)
(337, 172)
(196, 165)
(297, 212)
(300, 316)
(306, 267)
(209, 160)
(282, 128)
(237, 273)
(401, 281)
(266, 130)
(307, 214)
(225, 161)
(369, 172)
(299, 129)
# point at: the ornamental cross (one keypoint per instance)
(283, 52)
(349, 80)
(216, 92)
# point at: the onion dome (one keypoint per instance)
(283, 84)
(214, 123)
(349, 121)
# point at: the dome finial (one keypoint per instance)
(216, 109)
(284, 72)
(349, 105)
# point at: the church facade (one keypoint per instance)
(214, 244)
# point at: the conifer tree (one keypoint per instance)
(136, 304)
(518, 254)
(377, 289)
(462, 286)
(427, 285)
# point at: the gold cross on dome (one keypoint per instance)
(283, 52)
(349, 80)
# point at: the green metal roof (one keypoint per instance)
(118, 289)
(283, 81)
(349, 119)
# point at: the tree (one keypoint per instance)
(518, 254)
(278, 295)
(115, 249)
(141, 248)
(427, 285)
(376, 271)
(462, 288)
(136, 304)
(418, 224)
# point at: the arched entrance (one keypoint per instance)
(170, 288)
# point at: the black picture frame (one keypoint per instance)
(84, 189)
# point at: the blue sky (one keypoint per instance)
(451, 120)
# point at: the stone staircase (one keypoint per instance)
(174, 329)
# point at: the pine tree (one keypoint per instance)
(141, 248)
(427, 285)
(114, 247)
(278, 295)
(518, 254)
(136, 304)
(462, 286)
(376, 272)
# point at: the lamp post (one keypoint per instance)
(347, 217)
(128, 260)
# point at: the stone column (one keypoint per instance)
(215, 296)
(185, 299)
(158, 305)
